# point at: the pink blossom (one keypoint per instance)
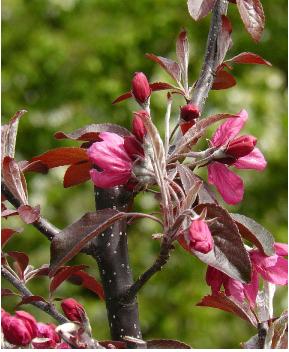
(273, 269)
(48, 331)
(29, 321)
(199, 237)
(16, 330)
(239, 152)
(73, 310)
(138, 128)
(140, 88)
(114, 158)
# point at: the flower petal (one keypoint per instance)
(229, 129)
(251, 289)
(234, 288)
(106, 179)
(281, 249)
(254, 160)
(277, 274)
(229, 184)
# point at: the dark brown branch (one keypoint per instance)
(208, 71)
(45, 307)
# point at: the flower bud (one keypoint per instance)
(133, 147)
(138, 128)
(47, 331)
(140, 88)
(189, 112)
(63, 345)
(199, 237)
(29, 321)
(241, 146)
(73, 310)
(15, 330)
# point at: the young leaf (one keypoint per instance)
(6, 234)
(255, 233)
(35, 166)
(68, 242)
(162, 86)
(29, 214)
(7, 292)
(30, 299)
(85, 280)
(252, 14)
(223, 80)
(224, 40)
(200, 8)
(42, 271)
(172, 67)
(166, 344)
(21, 262)
(249, 58)
(91, 132)
(77, 173)
(229, 254)
(63, 274)
(229, 304)
(277, 335)
(182, 50)
(62, 156)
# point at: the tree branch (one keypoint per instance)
(45, 307)
(208, 71)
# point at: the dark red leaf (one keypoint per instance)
(255, 233)
(172, 67)
(62, 275)
(252, 14)
(77, 173)
(21, 262)
(7, 292)
(224, 39)
(68, 242)
(122, 97)
(84, 279)
(90, 133)
(8, 212)
(249, 58)
(35, 166)
(29, 214)
(166, 344)
(6, 234)
(229, 254)
(62, 156)
(229, 304)
(161, 86)
(30, 299)
(200, 8)
(14, 179)
(182, 50)
(42, 271)
(223, 80)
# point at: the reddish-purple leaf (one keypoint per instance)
(8, 212)
(200, 8)
(172, 67)
(166, 344)
(224, 40)
(7, 292)
(29, 214)
(229, 254)
(223, 80)
(30, 299)
(42, 271)
(161, 86)
(62, 275)
(62, 156)
(122, 97)
(229, 304)
(255, 233)
(77, 173)
(21, 262)
(252, 14)
(6, 234)
(68, 242)
(35, 166)
(84, 279)
(182, 50)
(14, 179)
(249, 58)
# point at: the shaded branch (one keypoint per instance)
(45, 307)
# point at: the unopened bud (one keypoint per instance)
(199, 237)
(138, 128)
(241, 146)
(189, 112)
(73, 310)
(140, 88)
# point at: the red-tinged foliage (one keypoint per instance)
(200, 8)
(62, 275)
(170, 66)
(30, 299)
(252, 14)
(77, 173)
(224, 39)
(182, 51)
(85, 280)
(8, 212)
(21, 262)
(7, 292)
(223, 80)
(14, 179)
(122, 97)
(6, 234)
(221, 301)
(29, 214)
(249, 58)
(35, 166)
(62, 156)
(42, 271)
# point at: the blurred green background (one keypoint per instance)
(65, 61)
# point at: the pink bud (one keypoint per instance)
(63, 345)
(133, 147)
(15, 330)
(199, 236)
(215, 278)
(138, 128)
(73, 310)
(48, 331)
(140, 88)
(241, 146)
(189, 112)
(29, 321)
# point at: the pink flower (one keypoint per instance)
(140, 88)
(15, 330)
(29, 321)
(138, 128)
(188, 115)
(48, 331)
(273, 269)
(73, 310)
(115, 156)
(240, 152)
(63, 345)
(199, 237)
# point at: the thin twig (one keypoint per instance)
(45, 307)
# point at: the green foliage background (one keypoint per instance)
(65, 61)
